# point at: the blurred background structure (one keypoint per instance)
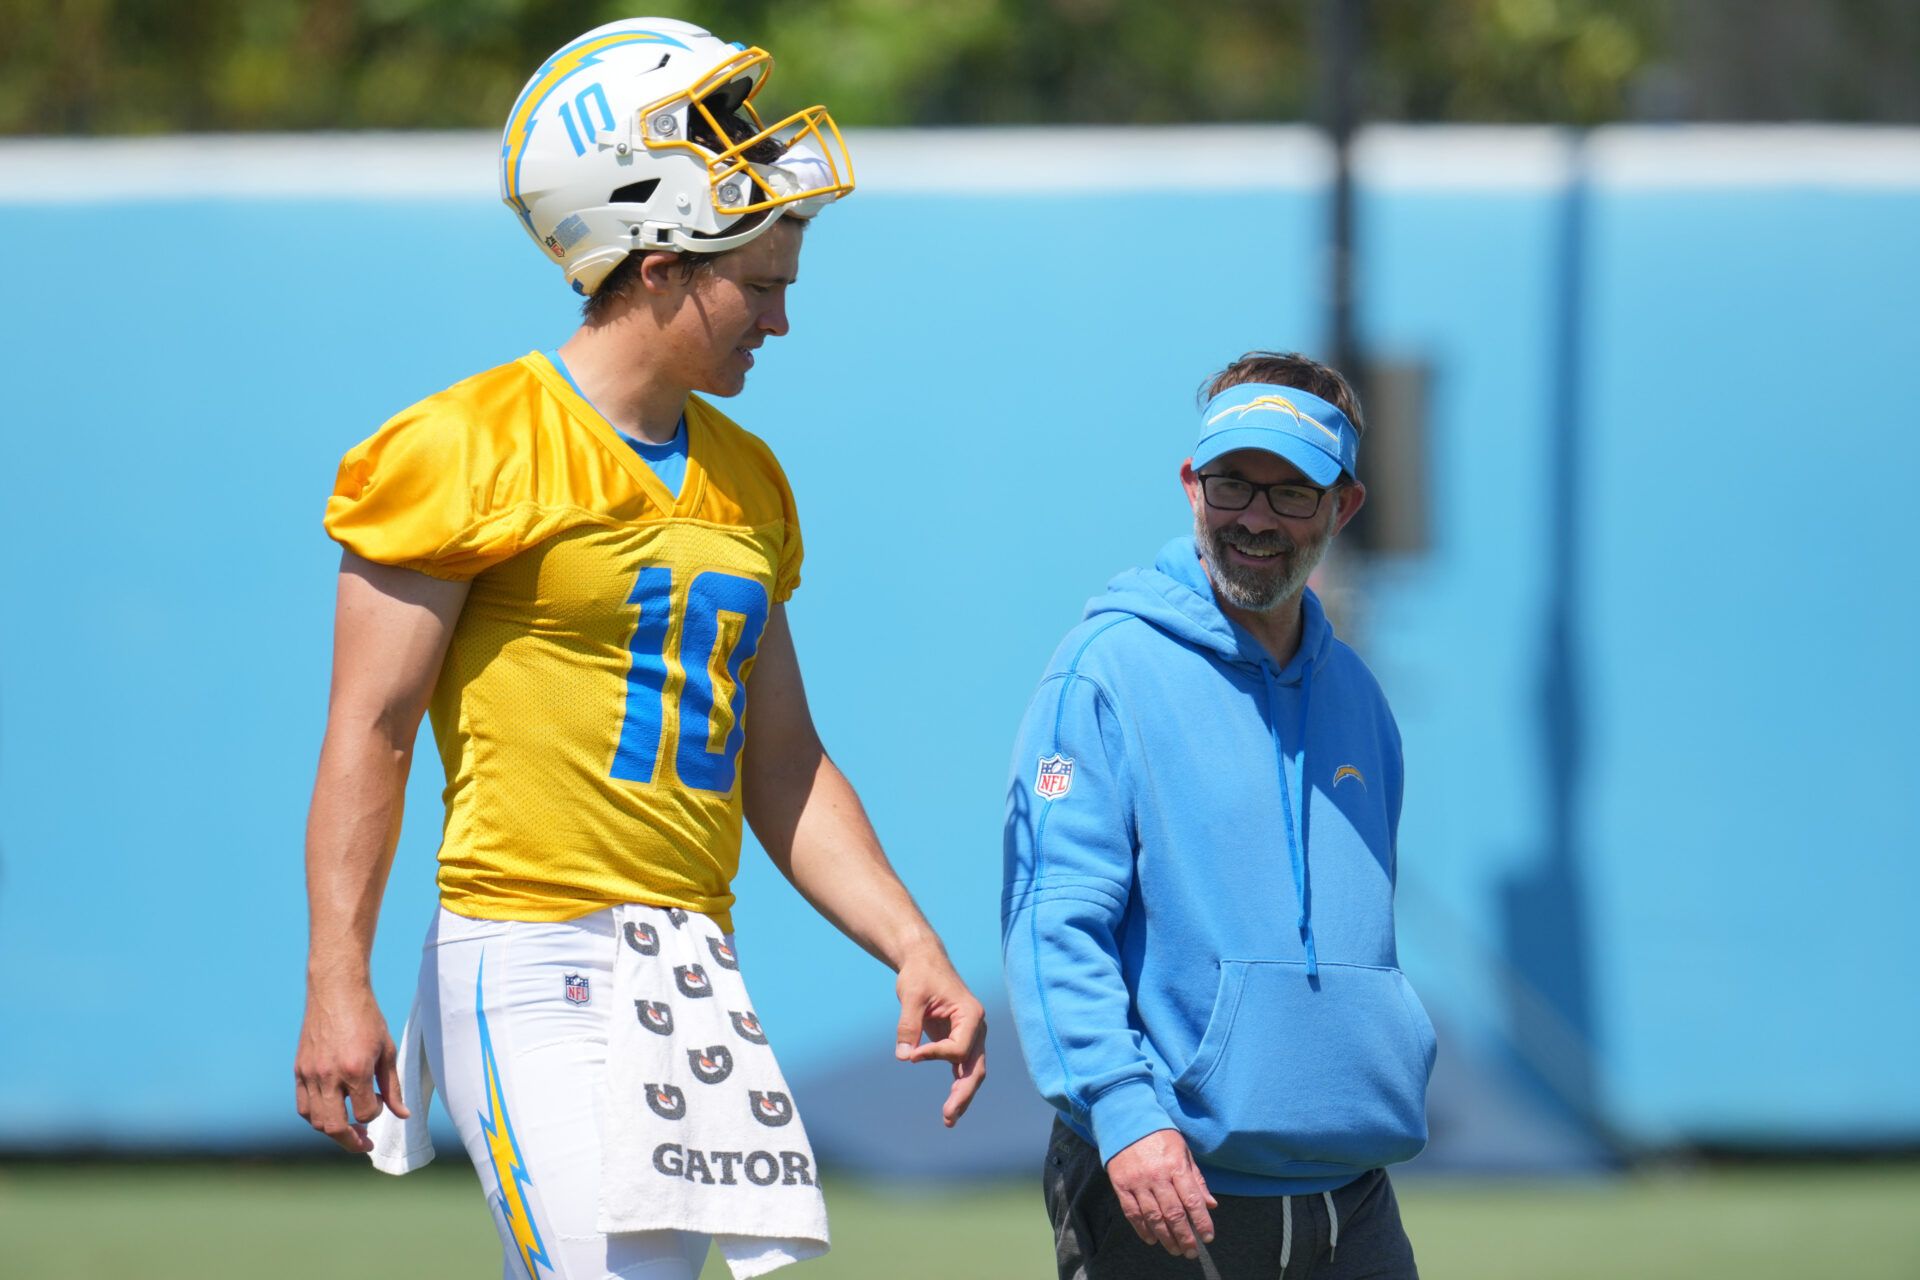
(101, 67)
(1631, 285)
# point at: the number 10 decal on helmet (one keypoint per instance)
(643, 134)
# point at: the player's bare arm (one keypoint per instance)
(812, 825)
(391, 628)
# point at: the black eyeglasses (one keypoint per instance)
(1231, 493)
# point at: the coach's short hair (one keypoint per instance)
(1288, 369)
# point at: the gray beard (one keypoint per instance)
(1258, 589)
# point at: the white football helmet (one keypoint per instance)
(642, 134)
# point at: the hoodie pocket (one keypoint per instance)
(1296, 1079)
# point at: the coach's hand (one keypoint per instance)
(346, 1056)
(1162, 1193)
(935, 1001)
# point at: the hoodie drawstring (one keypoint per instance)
(1296, 833)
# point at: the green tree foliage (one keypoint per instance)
(151, 66)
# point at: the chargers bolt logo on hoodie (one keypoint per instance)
(1055, 778)
(655, 1016)
(692, 979)
(1346, 771)
(643, 937)
(711, 1064)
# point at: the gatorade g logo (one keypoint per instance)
(722, 954)
(676, 917)
(667, 1102)
(773, 1109)
(643, 938)
(711, 1064)
(655, 1016)
(692, 979)
(748, 1026)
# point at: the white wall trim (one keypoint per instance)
(990, 162)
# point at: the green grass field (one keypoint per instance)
(314, 1222)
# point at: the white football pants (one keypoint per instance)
(514, 1016)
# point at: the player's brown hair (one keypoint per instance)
(599, 304)
(1288, 369)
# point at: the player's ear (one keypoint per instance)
(659, 273)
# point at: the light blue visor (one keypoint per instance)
(1304, 429)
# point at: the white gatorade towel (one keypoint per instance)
(700, 1130)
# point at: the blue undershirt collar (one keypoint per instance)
(668, 461)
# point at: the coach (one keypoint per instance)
(1198, 910)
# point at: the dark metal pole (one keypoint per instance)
(1547, 915)
(1340, 36)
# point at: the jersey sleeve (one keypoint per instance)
(428, 493)
(792, 550)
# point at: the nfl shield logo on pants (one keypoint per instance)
(1055, 778)
(576, 988)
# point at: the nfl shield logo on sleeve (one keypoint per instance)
(576, 988)
(1055, 778)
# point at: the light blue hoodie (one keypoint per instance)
(1197, 920)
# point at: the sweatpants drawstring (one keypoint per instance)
(1286, 1233)
(1286, 1230)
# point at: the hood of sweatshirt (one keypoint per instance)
(1175, 596)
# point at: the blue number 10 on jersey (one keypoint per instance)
(725, 616)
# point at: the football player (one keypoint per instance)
(580, 567)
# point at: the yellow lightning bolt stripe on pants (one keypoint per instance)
(509, 1169)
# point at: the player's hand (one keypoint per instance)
(934, 1001)
(345, 1057)
(1162, 1193)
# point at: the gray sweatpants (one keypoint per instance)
(1254, 1237)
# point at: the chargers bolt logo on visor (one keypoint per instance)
(1311, 433)
(1278, 404)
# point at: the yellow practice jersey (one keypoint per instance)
(592, 706)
